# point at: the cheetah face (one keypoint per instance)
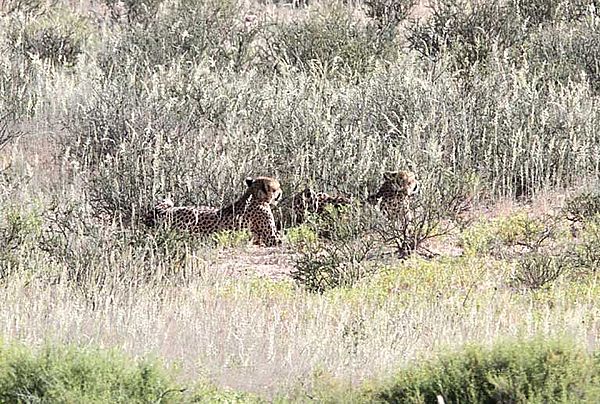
(404, 182)
(264, 189)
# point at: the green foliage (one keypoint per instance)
(582, 207)
(518, 229)
(587, 251)
(133, 11)
(20, 230)
(86, 375)
(343, 258)
(532, 371)
(68, 374)
(207, 33)
(468, 30)
(302, 235)
(58, 37)
(565, 53)
(232, 239)
(330, 45)
(537, 269)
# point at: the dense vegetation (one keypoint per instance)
(105, 107)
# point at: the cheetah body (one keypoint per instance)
(309, 201)
(252, 211)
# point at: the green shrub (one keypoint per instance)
(133, 11)
(232, 239)
(582, 207)
(68, 374)
(207, 33)
(537, 269)
(467, 30)
(565, 53)
(341, 259)
(536, 371)
(58, 37)
(518, 229)
(586, 252)
(330, 45)
(470, 31)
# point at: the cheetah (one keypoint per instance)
(251, 211)
(393, 195)
(309, 201)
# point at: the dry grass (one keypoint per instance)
(232, 314)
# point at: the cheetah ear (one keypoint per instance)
(389, 175)
(249, 181)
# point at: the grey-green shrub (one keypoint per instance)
(528, 371)
(68, 374)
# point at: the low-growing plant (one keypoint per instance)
(303, 235)
(387, 14)
(341, 259)
(232, 239)
(20, 230)
(133, 11)
(586, 251)
(211, 33)
(434, 213)
(516, 230)
(56, 38)
(468, 30)
(527, 371)
(535, 270)
(582, 207)
(70, 374)
(332, 45)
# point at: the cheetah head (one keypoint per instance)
(264, 189)
(404, 182)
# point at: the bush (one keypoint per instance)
(535, 371)
(387, 14)
(586, 252)
(564, 53)
(536, 269)
(582, 207)
(211, 34)
(57, 38)
(20, 230)
(344, 257)
(330, 45)
(468, 30)
(516, 230)
(68, 374)
(133, 11)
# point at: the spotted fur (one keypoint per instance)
(393, 195)
(309, 201)
(252, 211)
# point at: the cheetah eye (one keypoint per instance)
(416, 188)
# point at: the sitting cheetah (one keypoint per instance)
(397, 187)
(251, 211)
